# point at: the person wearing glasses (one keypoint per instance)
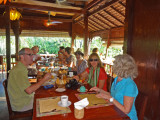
(21, 92)
(95, 73)
(123, 90)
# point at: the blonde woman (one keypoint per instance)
(95, 73)
(124, 90)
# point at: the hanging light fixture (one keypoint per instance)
(14, 14)
(5, 1)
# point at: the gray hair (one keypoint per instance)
(124, 66)
(22, 52)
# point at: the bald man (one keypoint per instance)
(21, 92)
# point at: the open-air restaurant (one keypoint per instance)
(79, 59)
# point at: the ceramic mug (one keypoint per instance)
(70, 74)
(64, 100)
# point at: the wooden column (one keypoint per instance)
(108, 43)
(73, 38)
(15, 27)
(8, 46)
(86, 35)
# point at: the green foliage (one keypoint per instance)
(97, 43)
(52, 44)
(46, 44)
(112, 51)
(3, 45)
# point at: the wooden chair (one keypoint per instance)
(13, 114)
(140, 103)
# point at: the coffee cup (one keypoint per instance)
(64, 100)
(70, 74)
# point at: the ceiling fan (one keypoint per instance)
(50, 22)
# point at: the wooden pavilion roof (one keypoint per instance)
(102, 14)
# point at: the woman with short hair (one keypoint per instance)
(124, 90)
(81, 64)
(70, 60)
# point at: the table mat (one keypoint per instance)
(49, 106)
(94, 102)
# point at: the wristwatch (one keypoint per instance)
(111, 99)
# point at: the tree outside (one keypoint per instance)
(51, 45)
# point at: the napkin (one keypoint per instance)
(81, 104)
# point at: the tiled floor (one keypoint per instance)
(3, 104)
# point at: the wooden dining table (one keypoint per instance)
(101, 113)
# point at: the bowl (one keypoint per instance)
(60, 85)
(56, 68)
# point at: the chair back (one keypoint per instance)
(13, 114)
(140, 103)
(5, 82)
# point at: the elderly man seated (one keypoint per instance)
(21, 92)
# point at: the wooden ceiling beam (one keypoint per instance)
(102, 21)
(115, 9)
(46, 18)
(102, 7)
(107, 19)
(113, 16)
(45, 8)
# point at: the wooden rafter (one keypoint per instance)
(107, 19)
(93, 26)
(122, 4)
(115, 9)
(113, 16)
(102, 7)
(93, 4)
(102, 21)
(79, 20)
(96, 24)
(45, 8)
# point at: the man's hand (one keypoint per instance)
(47, 76)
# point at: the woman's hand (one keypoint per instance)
(103, 95)
(95, 89)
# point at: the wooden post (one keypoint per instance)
(108, 43)
(73, 36)
(86, 35)
(8, 46)
(15, 27)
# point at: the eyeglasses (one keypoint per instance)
(93, 60)
(28, 54)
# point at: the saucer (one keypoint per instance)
(79, 90)
(68, 104)
(60, 90)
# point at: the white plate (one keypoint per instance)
(68, 104)
(60, 90)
